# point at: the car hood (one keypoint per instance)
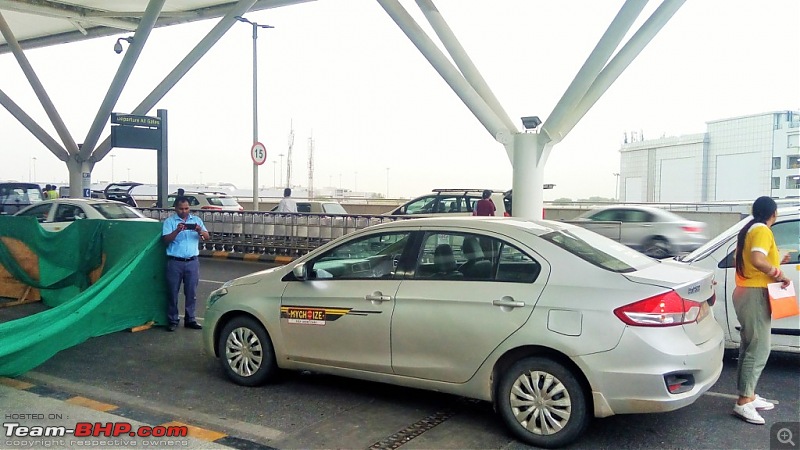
(689, 282)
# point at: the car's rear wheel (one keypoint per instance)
(657, 247)
(542, 403)
(246, 353)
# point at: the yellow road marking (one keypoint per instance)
(91, 404)
(197, 432)
(15, 383)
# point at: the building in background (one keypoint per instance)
(736, 159)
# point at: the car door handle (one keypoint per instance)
(377, 297)
(509, 303)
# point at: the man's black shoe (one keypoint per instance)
(172, 327)
(193, 325)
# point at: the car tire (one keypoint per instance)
(542, 403)
(657, 247)
(246, 352)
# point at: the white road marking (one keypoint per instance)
(212, 281)
(734, 397)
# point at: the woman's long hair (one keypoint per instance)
(763, 209)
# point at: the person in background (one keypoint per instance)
(757, 265)
(52, 192)
(182, 233)
(484, 206)
(287, 204)
(45, 192)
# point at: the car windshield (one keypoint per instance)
(333, 208)
(598, 250)
(222, 201)
(116, 211)
(19, 193)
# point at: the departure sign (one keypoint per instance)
(259, 153)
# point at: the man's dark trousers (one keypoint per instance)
(187, 272)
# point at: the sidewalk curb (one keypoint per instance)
(253, 257)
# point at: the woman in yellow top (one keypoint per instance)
(757, 265)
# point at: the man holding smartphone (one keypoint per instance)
(182, 233)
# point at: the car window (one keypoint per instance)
(449, 204)
(222, 201)
(515, 266)
(374, 256)
(68, 213)
(302, 207)
(192, 200)
(473, 257)
(609, 215)
(422, 205)
(599, 251)
(116, 211)
(333, 208)
(787, 238)
(38, 211)
(634, 216)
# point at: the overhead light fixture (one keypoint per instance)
(531, 122)
(118, 45)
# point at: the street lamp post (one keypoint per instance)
(274, 164)
(34, 168)
(387, 182)
(129, 174)
(255, 26)
(616, 186)
(281, 155)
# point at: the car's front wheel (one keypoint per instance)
(246, 353)
(658, 248)
(542, 403)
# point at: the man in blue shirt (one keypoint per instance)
(182, 233)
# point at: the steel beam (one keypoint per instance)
(33, 127)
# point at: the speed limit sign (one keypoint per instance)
(259, 153)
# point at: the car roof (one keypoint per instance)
(217, 193)
(485, 223)
(86, 201)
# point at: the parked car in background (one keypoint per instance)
(317, 207)
(455, 202)
(55, 215)
(15, 196)
(653, 231)
(207, 200)
(717, 255)
(120, 192)
(551, 322)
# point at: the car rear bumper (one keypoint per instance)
(630, 379)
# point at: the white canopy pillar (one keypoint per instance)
(530, 155)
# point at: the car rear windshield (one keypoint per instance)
(222, 201)
(333, 208)
(116, 211)
(598, 250)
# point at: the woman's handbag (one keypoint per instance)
(783, 301)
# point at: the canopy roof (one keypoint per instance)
(40, 23)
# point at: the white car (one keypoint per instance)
(552, 323)
(55, 215)
(717, 256)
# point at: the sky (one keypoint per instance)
(381, 117)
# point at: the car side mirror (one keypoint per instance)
(300, 272)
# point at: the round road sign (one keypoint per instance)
(259, 153)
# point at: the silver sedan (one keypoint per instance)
(552, 323)
(57, 214)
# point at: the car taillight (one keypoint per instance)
(215, 208)
(665, 310)
(692, 229)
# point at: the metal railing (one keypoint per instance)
(273, 233)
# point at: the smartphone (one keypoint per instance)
(190, 226)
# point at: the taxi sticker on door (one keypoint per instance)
(311, 316)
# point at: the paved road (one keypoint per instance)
(167, 375)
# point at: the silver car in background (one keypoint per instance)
(552, 323)
(653, 231)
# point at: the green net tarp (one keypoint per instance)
(130, 292)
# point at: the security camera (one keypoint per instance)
(118, 48)
(118, 45)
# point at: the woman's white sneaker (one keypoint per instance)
(762, 404)
(748, 413)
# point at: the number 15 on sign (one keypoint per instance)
(259, 153)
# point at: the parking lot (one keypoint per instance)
(168, 375)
